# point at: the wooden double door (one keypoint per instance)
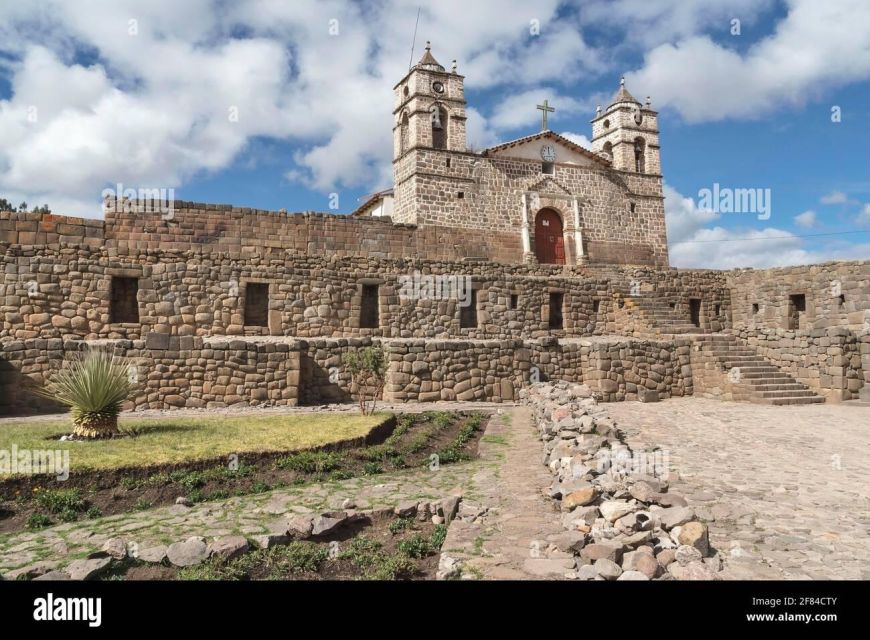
(549, 240)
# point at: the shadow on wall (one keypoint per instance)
(17, 397)
(321, 384)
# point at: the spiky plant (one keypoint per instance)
(93, 385)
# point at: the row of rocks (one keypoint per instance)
(196, 549)
(621, 521)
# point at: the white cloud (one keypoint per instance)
(807, 219)
(816, 47)
(647, 24)
(694, 244)
(152, 109)
(578, 138)
(683, 218)
(835, 197)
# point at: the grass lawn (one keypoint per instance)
(169, 440)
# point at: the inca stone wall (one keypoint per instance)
(193, 347)
(638, 370)
(199, 288)
(173, 372)
(825, 346)
(834, 362)
(837, 294)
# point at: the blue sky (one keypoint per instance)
(139, 93)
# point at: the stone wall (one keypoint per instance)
(65, 290)
(643, 370)
(833, 362)
(837, 294)
(173, 372)
(621, 215)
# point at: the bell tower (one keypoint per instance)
(627, 133)
(429, 108)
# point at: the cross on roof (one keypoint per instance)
(545, 109)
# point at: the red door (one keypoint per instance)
(549, 243)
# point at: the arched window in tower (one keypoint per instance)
(403, 133)
(639, 153)
(608, 150)
(439, 126)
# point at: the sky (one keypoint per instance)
(287, 105)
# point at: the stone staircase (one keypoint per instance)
(756, 378)
(659, 317)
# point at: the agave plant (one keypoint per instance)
(93, 386)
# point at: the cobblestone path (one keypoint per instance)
(250, 515)
(786, 487)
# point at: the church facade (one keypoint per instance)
(562, 203)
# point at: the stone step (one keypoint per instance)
(787, 394)
(765, 375)
(773, 386)
(733, 352)
(751, 365)
(802, 400)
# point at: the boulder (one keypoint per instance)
(642, 491)
(675, 516)
(612, 510)
(579, 498)
(155, 554)
(88, 568)
(694, 534)
(633, 575)
(686, 554)
(666, 557)
(597, 550)
(53, 575)
(450, 506)
(570, 541)
(692, 571)
(299, 527)
(115, 548)
(406, 509)
(607, 569)
(328, 522)
(228, 547)
(187, 553)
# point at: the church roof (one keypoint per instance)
(428, 61)
(623, 95)
(551, 136)
(370, 200)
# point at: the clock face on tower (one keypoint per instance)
(548, 153)
(438, 87)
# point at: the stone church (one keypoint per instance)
(563, 203)
(563, 249)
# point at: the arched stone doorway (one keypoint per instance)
(549, 241)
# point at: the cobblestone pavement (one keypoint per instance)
(786, 487)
